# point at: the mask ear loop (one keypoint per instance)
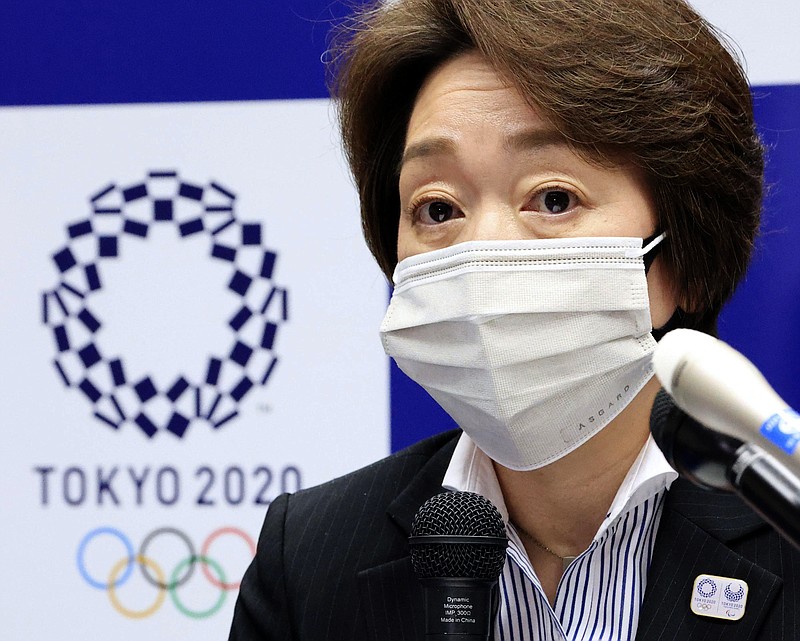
(678, 319)
(651, 246)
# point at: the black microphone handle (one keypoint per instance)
(460, 609)
(769, 488)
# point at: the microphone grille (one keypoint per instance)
(458, 514)
(663, 424)
(659, 415)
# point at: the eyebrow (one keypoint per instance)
(426, 148)
(529, 140)
(535, 139)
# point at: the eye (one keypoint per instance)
(553, 201)
(434, 212)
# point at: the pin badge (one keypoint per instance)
(720, 597)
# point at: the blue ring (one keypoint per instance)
(82, 549)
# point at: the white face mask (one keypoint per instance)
(532, 346)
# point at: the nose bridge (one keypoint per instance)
(493, 222)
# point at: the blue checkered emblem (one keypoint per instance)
(118, 395)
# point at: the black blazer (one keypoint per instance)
(333, 561)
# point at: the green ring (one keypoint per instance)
(173, 591)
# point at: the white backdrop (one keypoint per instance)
(766, 32)
(164, 307)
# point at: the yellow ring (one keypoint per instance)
(112, 591)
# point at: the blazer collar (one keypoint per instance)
(724, 516)
(424, 485)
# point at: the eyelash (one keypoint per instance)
(555, 187)
(413, 209)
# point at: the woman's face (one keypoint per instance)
(481, 164)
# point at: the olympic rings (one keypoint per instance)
(82, 551)
(112, 593)
(155, 575)
(173, 582)
(210, 540)
(174, 594)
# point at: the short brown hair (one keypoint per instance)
(648, 80)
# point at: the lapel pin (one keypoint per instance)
(719, 597)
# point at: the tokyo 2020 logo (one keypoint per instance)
(118, 392)
(706, 588)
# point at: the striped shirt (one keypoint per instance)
(599, 596)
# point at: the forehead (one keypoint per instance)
(465, 104)
(467, 90)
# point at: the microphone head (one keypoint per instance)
(674, 349)
(460, 535)
(663, 425)
(697, 453)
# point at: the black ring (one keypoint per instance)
(192, 554)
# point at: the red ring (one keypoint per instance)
(207, 544)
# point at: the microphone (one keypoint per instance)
(458, 549)
(723, 390)
(697, 453)
(713, 460)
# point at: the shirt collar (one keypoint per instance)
(471, 470)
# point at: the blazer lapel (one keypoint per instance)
(392, 600)
(695, 527)
(391, 595)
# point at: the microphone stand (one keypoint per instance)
(712, 460)
(769, 488)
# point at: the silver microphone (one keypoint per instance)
(724, 391)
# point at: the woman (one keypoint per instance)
(548, 181)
